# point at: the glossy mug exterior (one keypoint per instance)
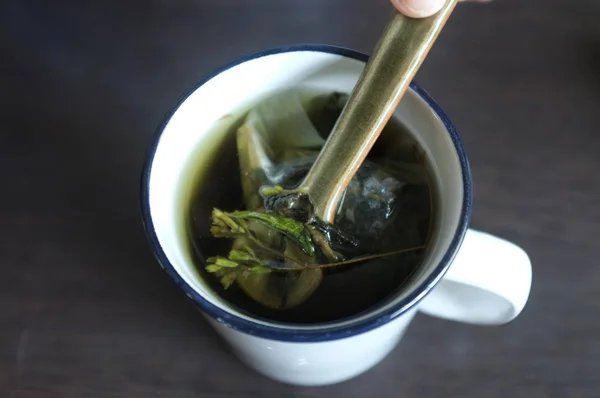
(469, 276)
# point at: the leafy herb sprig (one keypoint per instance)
(244, 259)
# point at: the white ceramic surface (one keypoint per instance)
(486, 280)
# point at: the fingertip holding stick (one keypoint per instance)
(418, 8)
(398, 56)
(424, 8)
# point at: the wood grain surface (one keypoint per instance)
(86, 312)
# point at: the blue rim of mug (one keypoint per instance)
(322, 332)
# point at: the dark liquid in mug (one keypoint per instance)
(345, 290)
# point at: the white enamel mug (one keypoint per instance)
(468, 276)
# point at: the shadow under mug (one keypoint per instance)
(468, 276)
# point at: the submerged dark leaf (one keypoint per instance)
(281, 290)
(228, 279)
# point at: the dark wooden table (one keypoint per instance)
(86, 312)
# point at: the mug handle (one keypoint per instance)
(488, 282)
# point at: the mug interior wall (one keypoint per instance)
(199, 124)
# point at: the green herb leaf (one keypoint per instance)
(223, 262)
(288, 226)
(213, 268)
(239, 255)
(271, 190)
